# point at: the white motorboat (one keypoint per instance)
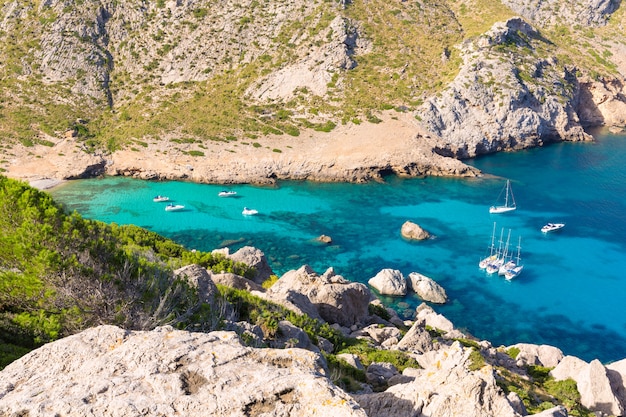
(160, 199)
(249, 212)
(174, 207)
(509, 200)
(227, 193)
(551, 227)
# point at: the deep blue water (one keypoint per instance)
(571, 293)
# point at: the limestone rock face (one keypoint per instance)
(437, 321)
(110, 371)
(594, 385)
(447, 388)
(544, 355)
(417, 339)
(551, 12)
(426, 288)
(497, 103)
(199, 277)
(413, 231)
(253, 257)
(389, 282)
(235, 281)
(335, 299)
(315, 70)
(616, 372)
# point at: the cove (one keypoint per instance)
(570, 294)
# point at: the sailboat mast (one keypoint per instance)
(506, 194)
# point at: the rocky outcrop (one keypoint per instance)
(501, 100)
(314, 71)
(550, 12)
(253, 257)
(235, 281)
(334, 298)
(426, 288)
(593, 382)
(110, 371)
(437, 321)
(413, 231)
(431, 391)
(198, 277)
(389, 282)
(544, 355)
(417, 339)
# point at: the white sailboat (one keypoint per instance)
(507, 260)
(492, 248)
(494, 265)
(517, 269)
(509, 200)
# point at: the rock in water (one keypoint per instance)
(389, 282)
(413, 231)
(109, 371)
(426, 288)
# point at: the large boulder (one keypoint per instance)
(437, 321)
(594, 385)
(544, 355)
(417, 339)
(616, 372)
(108, 371)
(413, 231)
(389, 282)
(426, 288)
(235, 281)
(253, 257)
(199, 278)
(335, 299)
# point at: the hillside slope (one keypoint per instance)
(188, 77)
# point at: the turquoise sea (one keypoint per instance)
(571, 293)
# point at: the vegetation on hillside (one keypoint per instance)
(412, 55)
(60, 273)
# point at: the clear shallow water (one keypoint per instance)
(571, 293)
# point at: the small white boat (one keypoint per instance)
(160, 199)
(509, 200)
(249, 212)
(227, 193)
(174, 207)
(551, 227)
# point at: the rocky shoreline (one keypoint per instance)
(110, 371)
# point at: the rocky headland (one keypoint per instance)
(244, 371)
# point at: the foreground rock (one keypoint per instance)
(431, 391)
(110, 371)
